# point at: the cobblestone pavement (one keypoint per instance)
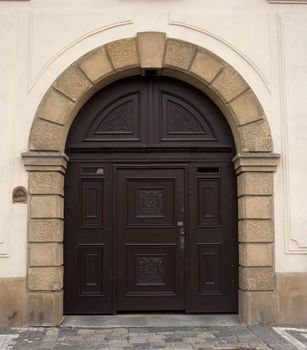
(170, 338)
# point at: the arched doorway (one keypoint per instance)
(150, 202)
(254, 162)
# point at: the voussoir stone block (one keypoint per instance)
(123, 53)
(179, 54)
(45, 309)
(206, 65)
(255, 254)
(96, 64)
(46, 136)
(255, 183)
(256, 231)
(46, 254)
(229, 84)
(46, 183)
(46, 230)
(45, 278)
(73, 83)
(47, 206)
(256, 278)
(246, 108)
(255, 207)
(151, 47)
(255, 137)
(55, 107)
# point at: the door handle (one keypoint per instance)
(181, 231)
(181, 234)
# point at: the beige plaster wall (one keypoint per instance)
(263, 42)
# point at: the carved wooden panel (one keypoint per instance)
(150, 269)
(150, 201)
(209, 268)
(91, 202)
(91, 269)
(118, 121)
(209, 203)
(182, 121)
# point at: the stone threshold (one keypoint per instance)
(149, 320)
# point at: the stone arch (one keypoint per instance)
(170, 57)
(46, 163)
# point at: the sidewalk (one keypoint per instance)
(113, 332)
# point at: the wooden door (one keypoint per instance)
(213, 243)
(88, 239)
(149, 259)
(150, 202)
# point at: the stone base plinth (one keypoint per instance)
(12, 302)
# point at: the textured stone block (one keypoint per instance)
(46, 254)
(255, 137)
(46, 183)
(255, 183)
(45, 278)
(45, 309)
(257, 307)
(12, 296)
(178, 54)
(55, 107)
(96, 64)
(246, 108)
(46, 207)
(46, 230)
(206, 65)
(46, 136)
(256, 278)
(123, 53)
(151, 47)
(229, 84)
(255, 207)
(73, 83)
(256, 231)
(255, 254)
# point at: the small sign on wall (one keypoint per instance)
(19, 195)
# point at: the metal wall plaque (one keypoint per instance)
(19, 195)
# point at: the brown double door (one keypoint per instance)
(148, 236)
